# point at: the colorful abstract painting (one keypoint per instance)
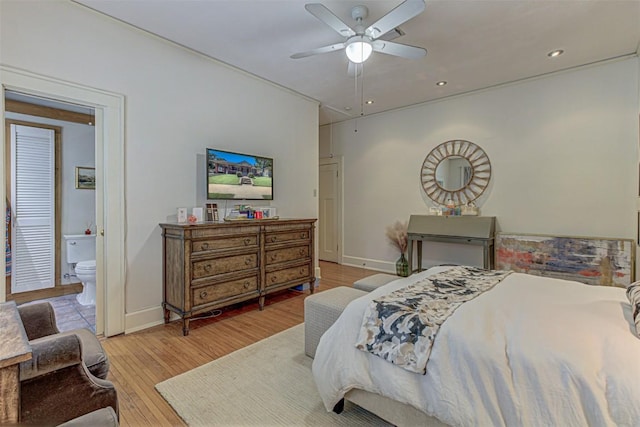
(595, 261)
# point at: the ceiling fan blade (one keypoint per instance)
(398, 49)
(324, 49)
(393, 34)
(325, 15)
(401, 14)
(354, 70)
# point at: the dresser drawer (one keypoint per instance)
(287, 254)
(231, 242)
(224, 290)
(287, 236)
(222, 265)
(286, 275)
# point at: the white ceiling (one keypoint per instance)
(471, 44)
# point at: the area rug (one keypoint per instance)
(268, 383)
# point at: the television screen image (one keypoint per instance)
(238, 176)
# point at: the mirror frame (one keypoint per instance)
(480, 172)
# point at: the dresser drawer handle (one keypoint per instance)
(247, 241)
(273, 239)
(247, 261)
(207, 268)
(302, 251)
(273, 258)
(203, 294)
(273, 279)
(303, 235)
(247, 285)
(302, 271)
(205, 246)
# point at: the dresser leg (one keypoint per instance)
(167, 316)
(312, 285)
(185, 327)
(261, 302)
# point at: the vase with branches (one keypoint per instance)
(397, 235)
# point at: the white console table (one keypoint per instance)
(466, 230)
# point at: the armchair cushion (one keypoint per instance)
(55, 385)
(93, 355)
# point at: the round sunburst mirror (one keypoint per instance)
(458, 170)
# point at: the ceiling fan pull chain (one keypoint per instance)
(362, 92)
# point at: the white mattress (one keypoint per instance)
(531, 351)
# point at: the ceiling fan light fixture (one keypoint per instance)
(358, 49)
(555, 53)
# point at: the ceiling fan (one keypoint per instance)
(360, 41)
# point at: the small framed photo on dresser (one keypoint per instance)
(212, 212)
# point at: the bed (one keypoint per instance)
(529, 351)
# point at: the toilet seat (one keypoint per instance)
(87, 266)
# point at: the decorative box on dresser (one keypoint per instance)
(211, 265)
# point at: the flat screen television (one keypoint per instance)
(236, 176)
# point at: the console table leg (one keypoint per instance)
(167, 315)
(185, 327)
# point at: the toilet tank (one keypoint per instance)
(80, 247)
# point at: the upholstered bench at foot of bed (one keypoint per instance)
(321, 310)
(372, 283)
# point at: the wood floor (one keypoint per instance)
(141, 360)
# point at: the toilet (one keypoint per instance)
(81, 252)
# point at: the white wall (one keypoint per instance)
(177, 104)
(563, 150)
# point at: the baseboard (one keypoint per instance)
(143, 319)
(370, 264)
(147, 318)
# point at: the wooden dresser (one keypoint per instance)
(211, 265)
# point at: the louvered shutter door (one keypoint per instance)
(32, 202)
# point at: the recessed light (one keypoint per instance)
(555, 53)
(347, 108)
(369, 102)
(441, 83)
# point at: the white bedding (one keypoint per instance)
(531, 351)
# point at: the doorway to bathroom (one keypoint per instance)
(110, 202)
(45, 141)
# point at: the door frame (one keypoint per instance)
(339, 209)
(110, 201)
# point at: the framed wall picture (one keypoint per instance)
(591, 260)
(85, 178)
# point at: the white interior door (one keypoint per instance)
(32, 205)
(330, 205)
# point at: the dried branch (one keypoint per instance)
(397, 235)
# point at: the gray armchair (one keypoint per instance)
(39, 322)
(66, 377)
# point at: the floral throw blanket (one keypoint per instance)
(400, 327)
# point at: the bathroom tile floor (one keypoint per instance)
(70, 314)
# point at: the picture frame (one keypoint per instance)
(212, 212)
(182, 215)
(85, 178)
(601, 261)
